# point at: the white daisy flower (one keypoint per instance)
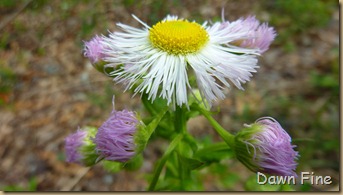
(159, 60)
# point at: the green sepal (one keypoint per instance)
(112, 166)
(100, 67)
(245, 153)
(249, 131)
(144, 132)
(90, 157)
(134, 164)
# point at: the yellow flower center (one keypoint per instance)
(178, 36)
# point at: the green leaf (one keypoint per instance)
(286, 187)
(169, 184)
(163, 160)
(32, 186)
(229, 180)
(154, 108)
(306, 187)
(171, 167)
(7, 80)
(112, 166)
(214, 152)
(13, 188)
(190, 140)
(193, 113)
(185, 149)
(252, 185)
(144, 132)
(190, 163)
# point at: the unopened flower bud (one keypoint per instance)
(256, 35)
(266, 147)
(115, 137)
(80, 148)
(94, 51)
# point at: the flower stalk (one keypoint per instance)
(224, 134)
(163, 160)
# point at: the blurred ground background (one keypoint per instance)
(48, 89)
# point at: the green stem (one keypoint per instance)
(181, 172)
(180, 125)
(180, 120)
(213, 147)
(163, 160)
(225, 135)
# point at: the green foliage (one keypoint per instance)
(302, 15)
(4, 40)
(114, 167)
(328, 80)
(31, 186)
(128, 3)
(144, 132)
(210, 152)
(111, 166)
(135, 163)
(293, 17)
(187, 168)
(8, 4)
(252, 185)
(37, 4)
(190, 163)
(7, 80)
(102, 99)
(325, 81)
(88, 24)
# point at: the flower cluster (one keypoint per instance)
(113, 141)
(176, 58)
(157, 60)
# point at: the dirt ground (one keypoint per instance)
(57, 90)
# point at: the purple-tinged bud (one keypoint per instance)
(256, 35)
(72, 144)
(79, 147)
(94, 49)
(266, 147)
(260, 35)
(115, 138)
